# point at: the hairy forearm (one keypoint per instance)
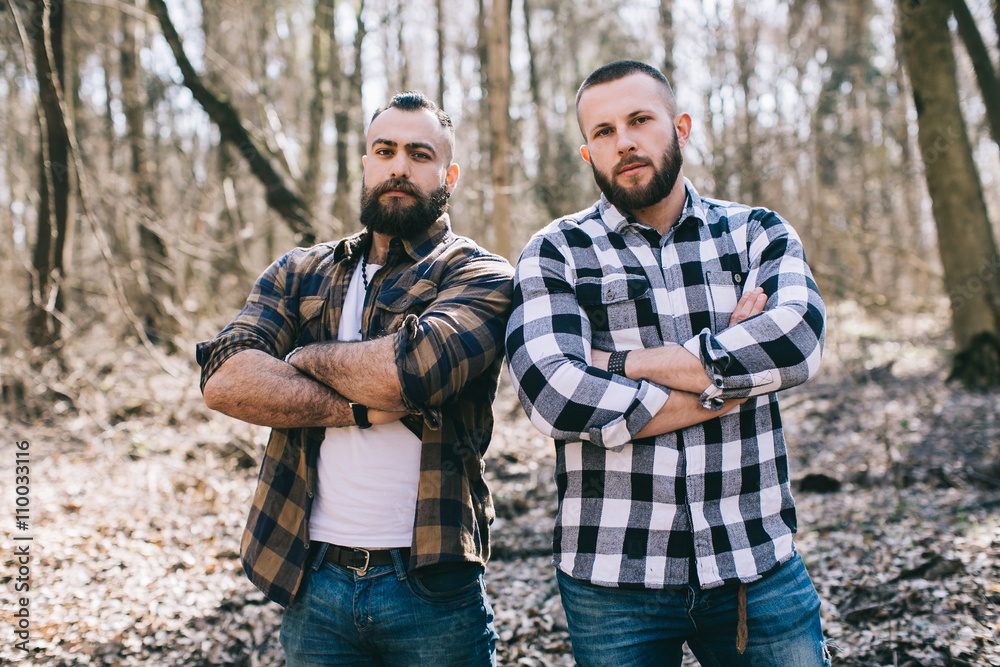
(680, 411)
(363, 372)
(254, 387)
(670, 366)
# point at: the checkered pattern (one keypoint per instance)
(445, 300)
(634, 512)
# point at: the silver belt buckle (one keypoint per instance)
(363, 570)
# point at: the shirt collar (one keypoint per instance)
(694, 207)
(416, 247)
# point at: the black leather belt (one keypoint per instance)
(362, 560)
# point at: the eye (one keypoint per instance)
(642, 119)
(421, 156)
(603, 132)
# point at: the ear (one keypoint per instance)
(585, 154)
(682, 122)
(364, 161)
(451, 177)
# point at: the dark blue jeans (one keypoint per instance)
(618, 627)
(387, 617)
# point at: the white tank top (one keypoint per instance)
(368, 478)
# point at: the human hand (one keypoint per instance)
(750, 304)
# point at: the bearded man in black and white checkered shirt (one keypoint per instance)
(649, 336)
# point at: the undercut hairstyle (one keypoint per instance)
(412, 100)
(621, 69)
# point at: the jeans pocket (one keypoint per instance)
(447, 584)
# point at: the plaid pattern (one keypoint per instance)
(446, 301)
(632, 513)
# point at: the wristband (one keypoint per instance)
(360, 415)
(616, 363)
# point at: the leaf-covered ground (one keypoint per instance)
(138, 495)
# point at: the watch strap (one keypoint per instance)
(360, 415)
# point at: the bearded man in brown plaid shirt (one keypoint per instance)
(375, 362)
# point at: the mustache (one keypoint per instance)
(630, 160)
(395, 184)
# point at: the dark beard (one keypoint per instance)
(399, 218)
(634, 199)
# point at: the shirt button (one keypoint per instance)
(737, 279)
(610, 294)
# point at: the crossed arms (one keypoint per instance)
(456, 335)
(772, 341)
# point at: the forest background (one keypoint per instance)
(157, 156)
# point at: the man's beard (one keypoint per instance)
(401, 218)
(639, 197)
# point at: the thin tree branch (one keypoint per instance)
(986, 75)
(280, 196)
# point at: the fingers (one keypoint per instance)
(750, 304)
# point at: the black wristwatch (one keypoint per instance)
(360, 415)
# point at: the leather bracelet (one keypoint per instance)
(616, 363)
(360, 415)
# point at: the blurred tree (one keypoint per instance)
(44, 28)
(965, 238)
(153, 293)
(279, 195)
(986, 74)
(498, 83)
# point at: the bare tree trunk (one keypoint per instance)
(750, 173)
(439, 6)
(986, 75)
(965, 239)
(46, 34)
(279, 196)
(544, 182)
(347, 105)
(324, 47)
(667, 35)
(498, 99)
(156, 282)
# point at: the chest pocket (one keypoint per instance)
(396, 302)
(724, 291)
(613, 304)
(314, 316)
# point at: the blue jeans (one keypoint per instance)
(621, 627)
(389, 617)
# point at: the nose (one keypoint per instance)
(625, 142)
(400, 166)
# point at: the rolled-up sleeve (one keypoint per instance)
(549, 358)
(782, 346)
(457, 337)
(268, 322)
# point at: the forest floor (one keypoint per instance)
(138, 495)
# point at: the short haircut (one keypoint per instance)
(621, 69)
(412, 100)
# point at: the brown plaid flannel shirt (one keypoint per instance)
(446, 302)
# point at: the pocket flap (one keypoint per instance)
(611, 289)
(398, 298)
